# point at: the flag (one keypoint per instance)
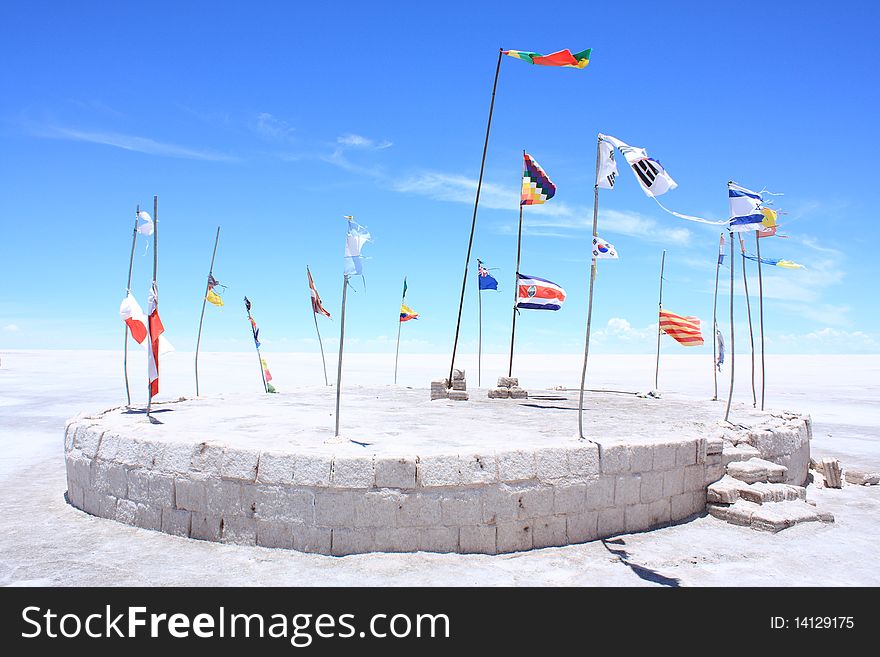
(538, 293)
(403, 296)
(603, 249)
(719, 361)
(268, 375)
(684, 330)
(317, 307)
(254, 329)
(487, 281)
(768, 225)
(607, 170)
(407, 313)
(355, 239)
(131, 313)
(154, 332)
(651, 175)
(560, 58)
(145, 228)
(745, 208)
(776, 262)
(536, 186)
(213, 297)
(721, 251)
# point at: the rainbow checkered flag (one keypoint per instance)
(536, 186)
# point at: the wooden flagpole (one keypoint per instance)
(715, 320)
(742, 247)
(134, 235)
(341, 344)
(732, 352)
(204, 302)
(259, 356)
(317, 330)
(660, 307)
(760, 310)
(590, 302)
(399, 326)
(467, 260)
(480, 324)
(155, 272)
(515, 287)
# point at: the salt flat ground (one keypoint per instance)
(43, 541)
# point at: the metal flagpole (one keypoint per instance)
(467, 260)
(155, 268)
(515, 288)
(742, 246)
(760, 311)
(204, 302)
(317, 330)
(590, 302)
(399, 326)
(341, 343)
(660, 306)
(247, 305)
(480, 324)
(732, 352)
(715, 320)
(128, 291)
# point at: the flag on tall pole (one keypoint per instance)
(485, 281)
(264, 370)
(134, 235)
(745, 208)
(650, 174)
(318, 309)
(717, 345)
(210, 297)
(134, 318)
(685, 330)
(535, 293)
(154, 330)
(560, 58)
(406, 314)
(775, 262)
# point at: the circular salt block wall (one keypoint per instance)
(486, 476)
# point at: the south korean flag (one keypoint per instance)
(651, 175)
(606, 172)
(603, 249)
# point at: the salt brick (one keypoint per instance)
(376, 509)
(458, 375)
(396, 539)
(714, 446)
(683, 506)
(535, 502)
(686, 453)
(673, 482)
(642, 459)
(694, 477)
(582, 527)
(176, 457)
(551, 463)
(652, 487)
(312, 470)
(660, 512)
(353, 472)
(498, 393)
(239, 464)
(176, 522)
(275, 468)
(87, 440)
(223, 498)
(126, 452)
(189, 494)
(627, 490)
(204, 527)
(516, 465)
(103, 506)
(241, 531)
(583, 460)
(396, 472)
(457, 395)
(615, 459)
(312, 539)
(514, 536)
(206, 457)
(274, 534)
(334, 508)
(418, 510)
(480, 539)
(701, 450)
(664, 456)
(126, 512)
(500, 503)
(351, 541)
(438, 539)
(283, 503)
(600, 493)
(569, 498)
(637, 517)
(461, 508)
(611, 521)
(441, 470)
(161, 490)
(477, 469)
(518, 393)
(508, 382)
(75, 495)
(149, 453)
(549, 532)
(109, 446)
(459, 385)
(149, 517)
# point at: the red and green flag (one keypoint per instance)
(561, 58)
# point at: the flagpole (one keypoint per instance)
(317, 330)
(128, 291)
(155, 268)
(715, 323)
(480, 324)
(760, 311)
(341, 343)
(590, 301)
(660, 307)
(515, 288)
(259, 357)
(204, 302)
(732, 345)
(742, 246)
(399, 326)
(467, 260)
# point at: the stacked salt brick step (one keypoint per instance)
(508, 388)
(440, 387)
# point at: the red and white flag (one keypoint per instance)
(316, 298)
(131, 313)
(154, 332)
(684, 330)
(535, 293)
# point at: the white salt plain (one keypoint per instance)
(45, 541)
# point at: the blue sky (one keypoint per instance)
(273, 120)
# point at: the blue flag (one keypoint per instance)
(487, 281)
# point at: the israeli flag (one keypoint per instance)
(745, 209)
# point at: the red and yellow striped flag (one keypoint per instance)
(684, 330)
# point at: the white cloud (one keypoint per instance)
(620, 330)
(357, 141)
(132, 143)
(12, 328)
(830, 340)
(273, 128)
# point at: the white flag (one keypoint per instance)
(603, 249)
(607, 171)
(145, 228)
(354, 241)
(649, 172)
